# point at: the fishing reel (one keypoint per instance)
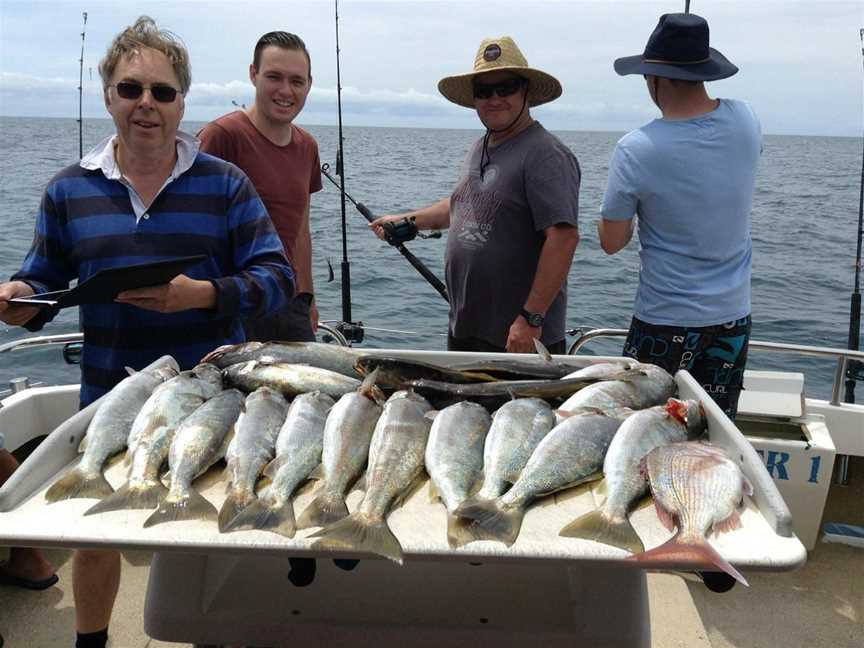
(400, 232)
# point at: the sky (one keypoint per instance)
(801, 62)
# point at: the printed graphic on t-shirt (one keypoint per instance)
(473, 211)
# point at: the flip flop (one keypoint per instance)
(25, 583)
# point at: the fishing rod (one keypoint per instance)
(397, 234)
(81, 92)
(854, 368)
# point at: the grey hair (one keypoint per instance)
(145, 33)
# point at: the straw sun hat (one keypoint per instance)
(493, 55)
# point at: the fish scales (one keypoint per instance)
(198, 443)
(108, 432)
(697, 488)
(315, 354)
(154, 429)
(646, 385)
(298, 452)
(396, 457)
(289, 379)
(251, 449)
(638, 435)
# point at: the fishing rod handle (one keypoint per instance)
(367, 213)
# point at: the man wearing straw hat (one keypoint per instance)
(513, 216)
(689, 178)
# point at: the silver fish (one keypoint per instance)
(199, 442)
(572, 453)
(108, 432)
(517, 428)
(640, 386)
(395, 463)
(697, 488)
(154, 429)
(638, 435)
(347, 433)
(298, 452)
(290, 379)
(315, 354)
(454, 458)
(251, 449)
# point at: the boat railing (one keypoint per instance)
(841, 356)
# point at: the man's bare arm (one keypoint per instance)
(614, 234)
(435, 216)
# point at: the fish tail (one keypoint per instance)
(77, 484)
(696, 552)
(327, 507)
(261, 514)
(492, 522)
(192, 506)
(146, 496)
(458, 531)
(231, 508)
(359, 533)
(600, 528)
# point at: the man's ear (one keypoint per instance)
(252, 73)
(106, 96)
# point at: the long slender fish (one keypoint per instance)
(645, 385)
(454, 458)
(315, 354)
(517, 428)
(395, 462)
(108, 432)
(290, 379)
(638, 435)
(199, 442)
(298, 452)
(251, 449)
(570, 454)
(347, 433)
(154, 429)
(697, 488)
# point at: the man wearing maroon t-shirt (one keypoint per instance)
(282, 161)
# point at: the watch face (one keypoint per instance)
(535, 320)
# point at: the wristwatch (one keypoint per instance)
(535, 320)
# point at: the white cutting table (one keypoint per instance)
(212, 588)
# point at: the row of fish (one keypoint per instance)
(486, 469)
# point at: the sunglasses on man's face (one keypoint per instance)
(502, 88)
(161, 93)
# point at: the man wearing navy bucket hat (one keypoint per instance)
(688, 178)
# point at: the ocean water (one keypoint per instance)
(804, 228)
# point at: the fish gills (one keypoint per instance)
(696, 488)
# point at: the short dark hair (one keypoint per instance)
(285, 40)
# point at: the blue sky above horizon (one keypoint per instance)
(801, 61)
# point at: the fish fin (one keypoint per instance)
(305, 487)
(431, 414)
(747, 486)
(675, 552)
(626, 375)
(599, 528)
(272, 467)
(327, 508)
(130, 371)
(367, 386)
(729, 524)
(166, 478)
(360, 483)
(76, 484)
(576, 489)
(664, 516)
(317, 472)
(542, 351)
(492, 522)
(85, 441)
(644, 502)
(458, 531)
(193, 506)
(126, 497)
(434, 495)
(261, 515)
(358, 533)
(262, 482)
(573, 484)
(232, 506)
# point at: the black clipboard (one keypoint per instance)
(104, 286)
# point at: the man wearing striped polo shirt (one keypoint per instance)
(145, 194)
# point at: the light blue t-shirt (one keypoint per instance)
(690, 182)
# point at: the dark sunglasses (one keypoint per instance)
(502, 89)
(161, 93)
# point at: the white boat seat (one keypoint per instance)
(772, 393)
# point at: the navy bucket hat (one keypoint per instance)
(678, 49)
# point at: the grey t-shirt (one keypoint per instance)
(496, 232)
